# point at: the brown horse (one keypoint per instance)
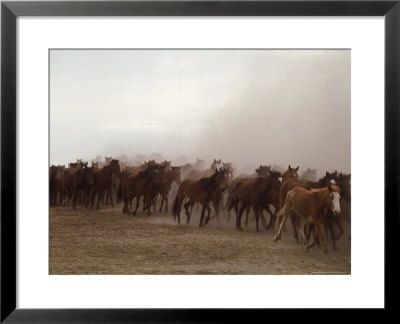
(293, 182)
(198, 174)
(272, 199)
(60, 185)
(53, 185)
(229, 170)
(331, 220)
(201, 191)
(76, 180)
(103, 179)
(290, 173)
(255, 193)
(310, 205)
(174, 174)
(132, 184)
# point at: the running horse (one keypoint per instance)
(103, 180)
(310, 205)
(134, 185)
(258, 193)
(201, 191)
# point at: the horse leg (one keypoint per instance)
(208, 216)
(309, 230)
(74, 198)
(162, 203)
(262, 218)
(328, 228)
(109, 191)
(272, 218)
(187, 205)
(281, 225)
(202, 216)
(166, 204)
(246, 222)
(301, 230)
(239, 217)
(216, 208)
(101, 194)
(137, 204)
(257, 217)
(318, 229)
(294, 219)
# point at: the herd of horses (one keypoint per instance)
(313, 206)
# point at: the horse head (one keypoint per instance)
(221, 178)
(344, 183)
(263, 170)
(115, 167)
(334, 199)
(290, 173)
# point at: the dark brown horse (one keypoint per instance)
(53, 185)
(134, 185)
(310, 205)
(76, 180)
(60, 193)
(200, 191)
(255, 193)
(103, 179)
(174, 174)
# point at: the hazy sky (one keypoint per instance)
(248, 107)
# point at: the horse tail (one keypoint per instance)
(175, 207)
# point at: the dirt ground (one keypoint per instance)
(105, 241)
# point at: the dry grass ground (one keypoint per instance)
(106, 242)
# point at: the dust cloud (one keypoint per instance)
(248, 107)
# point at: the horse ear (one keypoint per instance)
(297, 169)
(290, 168)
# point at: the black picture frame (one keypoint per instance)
(11, 10)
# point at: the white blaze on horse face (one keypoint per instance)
(335, 202)
(333, 182)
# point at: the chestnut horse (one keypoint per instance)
(310, 205)
(201, 191)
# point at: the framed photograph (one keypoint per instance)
(176, 160)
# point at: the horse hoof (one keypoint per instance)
(239, 228)
(275, 238)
